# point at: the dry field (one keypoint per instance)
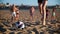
(31, 28)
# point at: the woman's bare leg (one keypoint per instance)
(40, 8)
(44, 9)
(41, 12)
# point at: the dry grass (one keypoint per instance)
(25, 15)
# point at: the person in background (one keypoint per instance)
(32, 10)
(13, 11)
(42, 8)
(54, 14)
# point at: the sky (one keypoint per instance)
(28, 2)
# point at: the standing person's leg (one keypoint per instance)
(33, 10)
(31, 16)
(47, 14)
(40, 4)
(44, 9)
(40, 7)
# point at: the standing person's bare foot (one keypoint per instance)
(44, 23)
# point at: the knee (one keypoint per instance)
(44, 7)
(40, 6)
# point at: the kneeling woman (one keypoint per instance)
(14, 13)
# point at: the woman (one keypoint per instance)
(14, 10)
(42, 7)
(32, 10)
(54, 14)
